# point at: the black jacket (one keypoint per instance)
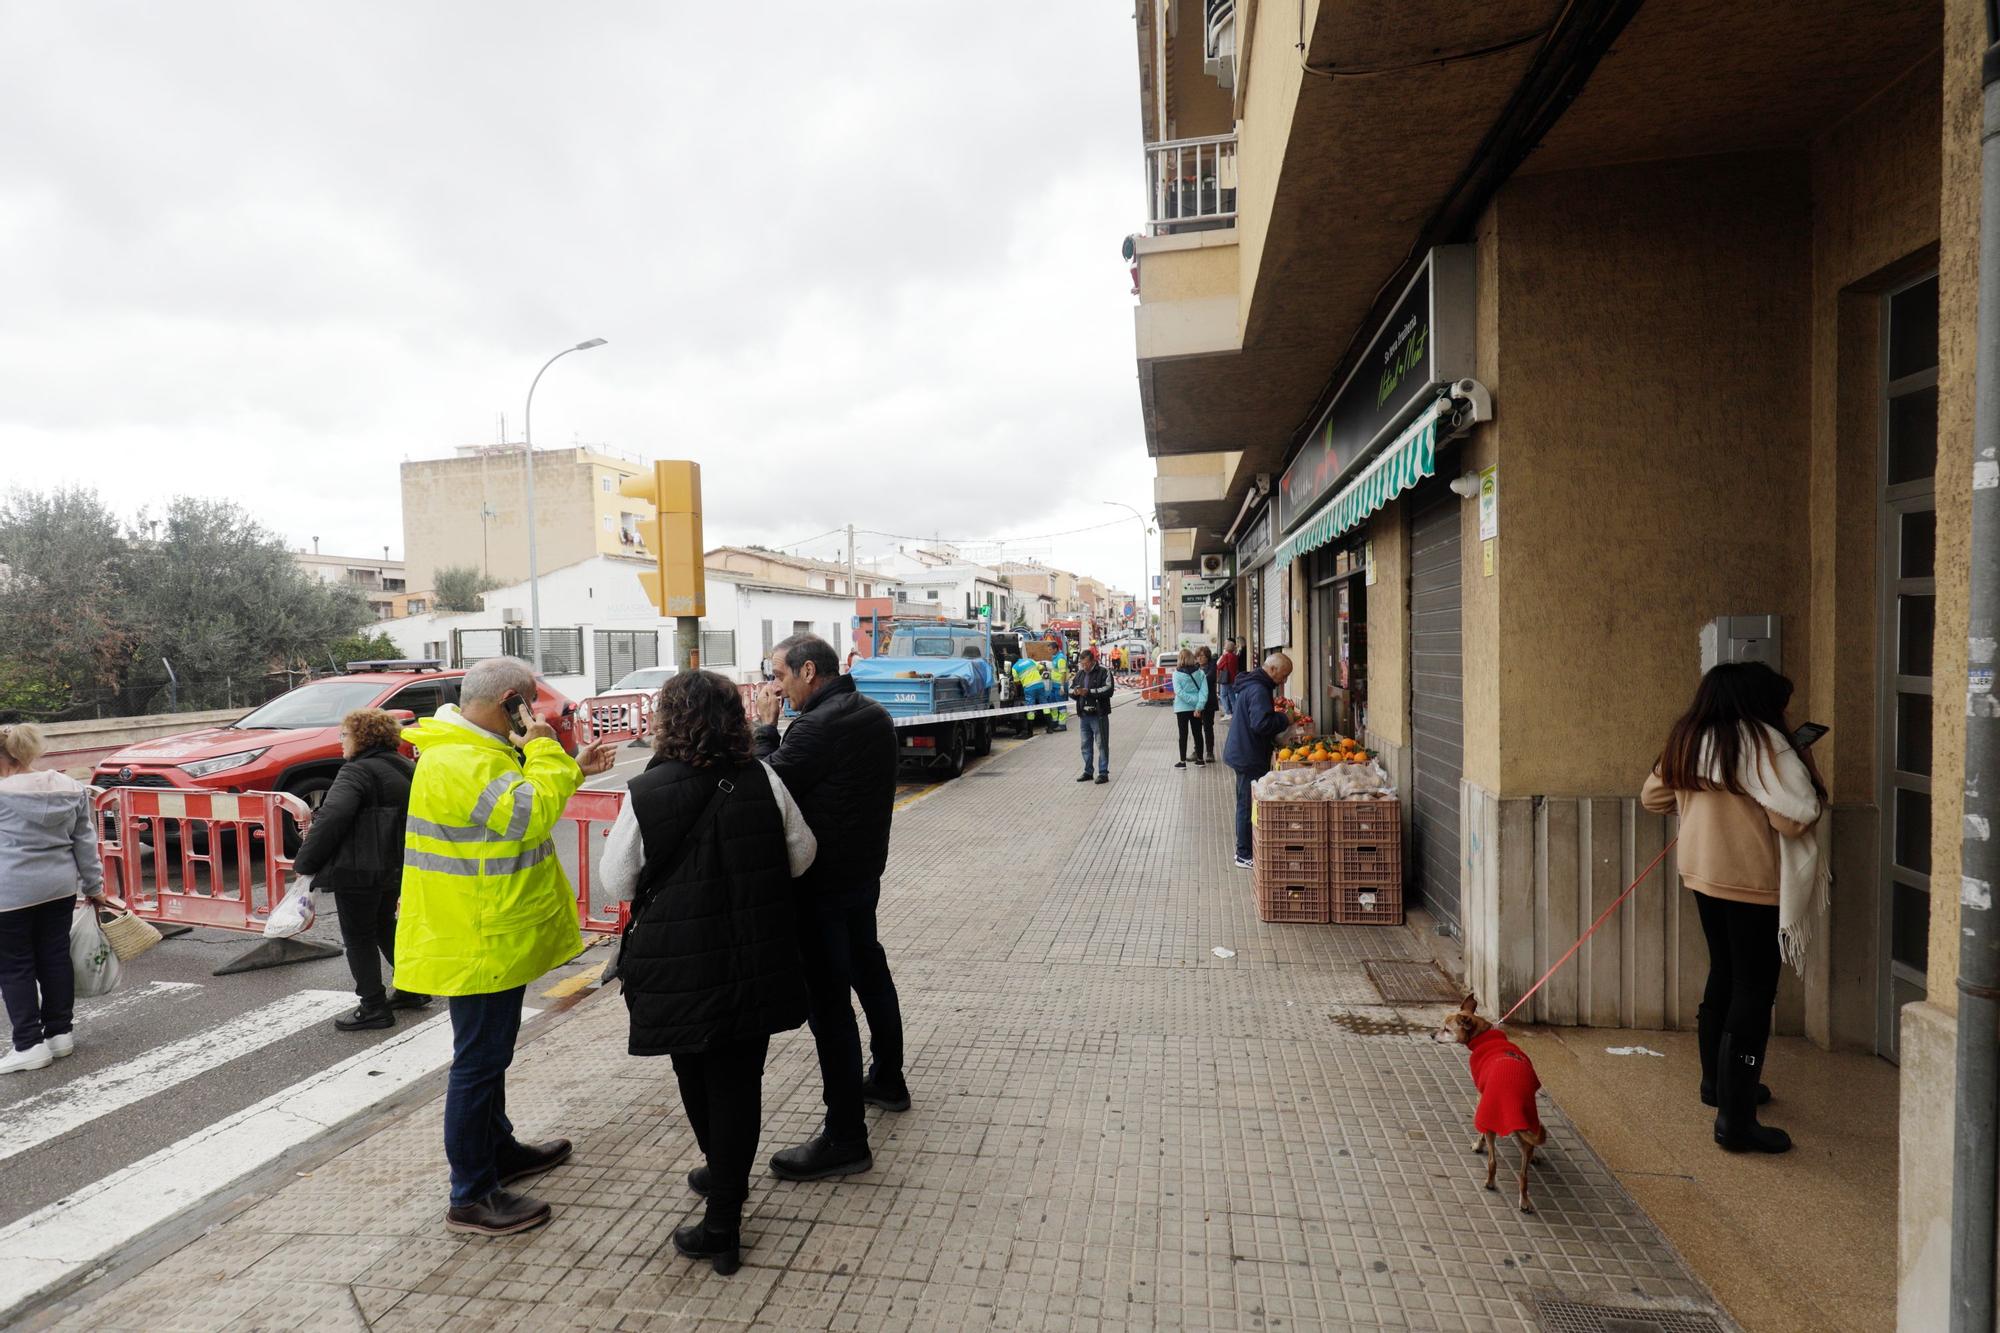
(1214, 692)
(711, 957)
(355, 840)
(838, 759)
(1091, 688)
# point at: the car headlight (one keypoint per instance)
(202, 768)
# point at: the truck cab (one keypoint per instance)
(929, 670)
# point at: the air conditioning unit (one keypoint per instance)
(1214, 566)
(512, 616)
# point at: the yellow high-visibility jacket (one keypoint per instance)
(486, 905)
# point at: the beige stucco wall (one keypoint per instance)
(1651, 393)
(1270, 94)
(1480, 613)
(442, 498)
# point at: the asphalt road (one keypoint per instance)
(177, 1049)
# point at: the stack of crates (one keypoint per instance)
(1294, 873)
(1365, 852)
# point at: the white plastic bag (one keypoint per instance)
(295, 915)
(91, 959)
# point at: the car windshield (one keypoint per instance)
(920, 645)
(646, 678)
(321, 704)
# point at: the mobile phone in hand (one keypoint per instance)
(517, 709)
(1808, 732)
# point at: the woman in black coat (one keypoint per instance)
(706, 849)
(354, 847)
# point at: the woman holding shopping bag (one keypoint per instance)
(1753, 850)
(48, 855)
(355, 848)
(1190, 698)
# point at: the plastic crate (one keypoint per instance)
(1365, 822)
(1366, 863)
(1296, 860)
(1301, 821)
(1294, 904)
(1368, 904)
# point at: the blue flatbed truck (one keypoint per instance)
(940, 684)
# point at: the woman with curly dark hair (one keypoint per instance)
(355, 848)
(705, 850)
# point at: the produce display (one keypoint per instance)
(1321, 768)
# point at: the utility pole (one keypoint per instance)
(528, 470)
(851, 585)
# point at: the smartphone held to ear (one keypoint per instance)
(517, 709)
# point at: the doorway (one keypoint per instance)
(1908, 580)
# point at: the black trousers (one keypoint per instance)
(842, 954)
(1743, 967)
(35, 977)
(1189, 724)
(368, 929)
(722, 1090)
(1207, 716)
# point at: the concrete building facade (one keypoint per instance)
(1693, 333)
(471, 510)
(381, 581)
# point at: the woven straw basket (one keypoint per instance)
(129, 936)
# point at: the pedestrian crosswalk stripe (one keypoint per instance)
(78, 1101)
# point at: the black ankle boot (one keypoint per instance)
(703, 1240)
(366, 1018)
(1736, 1127)
(1708, 1034)
(821, 1156)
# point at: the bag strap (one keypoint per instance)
(686, 849)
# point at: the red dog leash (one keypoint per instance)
(1601, 918)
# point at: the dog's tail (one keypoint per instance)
(1535, 1138)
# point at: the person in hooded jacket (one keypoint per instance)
(48, 855)
(354, 847)
(1254, 730)
(706, 849)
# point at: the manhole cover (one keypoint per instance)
(1402, 981)
(1560, 1315)
(1377, 1025)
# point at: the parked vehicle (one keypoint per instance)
(292, 744)
(627, 704)
(928, 671)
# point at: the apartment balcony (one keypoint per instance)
(1191, 185)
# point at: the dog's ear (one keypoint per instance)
(1469, 1005)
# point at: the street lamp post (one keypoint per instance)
(528, 465)
(1140, 604)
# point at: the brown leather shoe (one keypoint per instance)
(498, 1214)
(531, 1159)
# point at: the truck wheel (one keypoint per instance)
(954, 763)
(982, 738)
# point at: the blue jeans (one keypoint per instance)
(1243, 800)
(1228, 697)
(1098, 730)
(476, 1128)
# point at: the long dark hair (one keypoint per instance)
(700, 720)
(1731, 697)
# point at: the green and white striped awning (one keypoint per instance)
(1410, 458)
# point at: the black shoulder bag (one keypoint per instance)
(681, 854)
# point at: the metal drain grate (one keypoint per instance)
(1561, 1315)
(1402, 981)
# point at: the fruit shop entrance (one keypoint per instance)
(1337, 628)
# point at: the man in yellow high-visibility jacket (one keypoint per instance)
(486, 909)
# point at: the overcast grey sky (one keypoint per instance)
(860, 260)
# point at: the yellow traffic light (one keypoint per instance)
(675, 584)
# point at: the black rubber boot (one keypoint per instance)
(1736, 1127)
(1708, 1033)
(723, 1249)
(365, 1018)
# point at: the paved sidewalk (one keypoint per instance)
(1114, 1128)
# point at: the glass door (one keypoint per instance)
(1909, 620)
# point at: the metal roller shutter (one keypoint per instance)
(1437, 703)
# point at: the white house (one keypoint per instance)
(938, 580)
(597, 624)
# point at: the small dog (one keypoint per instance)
(1507, 1086)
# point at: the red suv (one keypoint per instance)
(292, 744)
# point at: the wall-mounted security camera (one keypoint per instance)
(1470, 403)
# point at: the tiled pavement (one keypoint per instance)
(1114, 1128)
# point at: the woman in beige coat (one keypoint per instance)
(1749, 803)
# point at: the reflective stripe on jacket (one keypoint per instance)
(486, 905)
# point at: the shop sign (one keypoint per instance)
(1426, 342)
(1489, 503)
(1198, 590)
(1256, 541)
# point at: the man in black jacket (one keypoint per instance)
(838, 760)
(1091, 687)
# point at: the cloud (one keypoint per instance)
(860, 260)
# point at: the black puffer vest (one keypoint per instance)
(712, 956)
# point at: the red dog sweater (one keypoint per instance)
(1507, 1086)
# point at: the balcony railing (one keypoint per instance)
(1191, 184)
